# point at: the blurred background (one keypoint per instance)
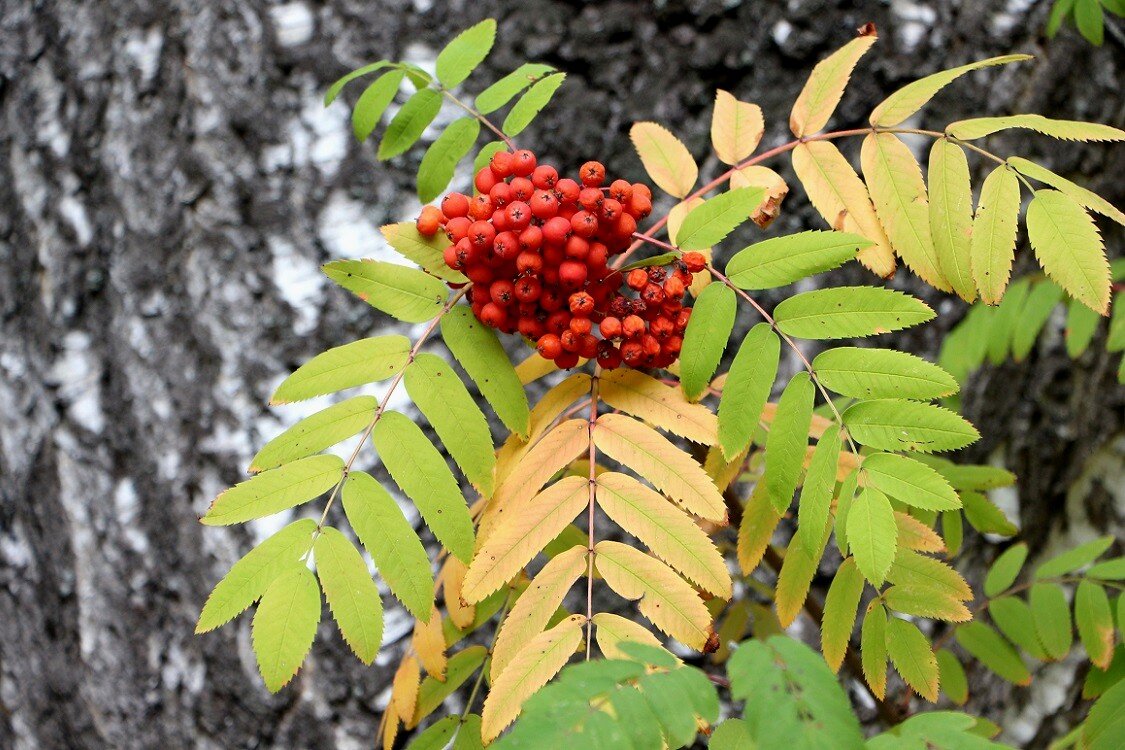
(170, 183)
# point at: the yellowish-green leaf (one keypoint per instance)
(373, 102)
(1094, 618)
(421, 472)
(391, 541)
(275, 491)
(993, 243)
(532, 103)
(1069, 248)
(821, 94)
(747, 388)
(531, 668)
(455, 416)
(712, 220)
(428, 642)
(400, 291)
(849, 312)
(285, 625)
(873, 648)
(481, 354)
(411, 244)
(784, 260)
(913, 657)
(610, 630)
(665, 158)
(249, 578)
(839, 196)
(316, 432)
(816, 493)
(352, 596)
(441, 159)
(775, 189)
(839, 612)
(736, 128)
(898, 425)
(952, 677)
(465, 52)
(872, 534)
(536, 605)
(921, 573)
(409, 123)
(655, 458)
(518, 538)
(501, 92)
(992, 650)
(951, 215)
(915, 535)
(1051, 613)
(670, 533)
(1003, 573)
(913, 96)
(1089, 199)
(433, 691)
(1013, 618)
(360, 362)
(797, 571)
(882, 373)
(665, 599)
(896, 185)
(338, 85)
(664, 406)
(759, 520)
(1067, 130)
(922, 602)
(788, 437)
(543, 416)
(712, 319)
(909, 481)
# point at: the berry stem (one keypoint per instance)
(481, 118)
(590, 515)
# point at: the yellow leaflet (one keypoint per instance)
(390, 729)
(896, 185)
(665, 599)
(736, 128)
(550, 406)
(655, 458)
(535, 664)
(951, 215)
(838, 195)
(665, 158)
(664, 406)
(429, 645)
(669, 532)
(536, 605)
(993, 245)
(521, 535)
(821, 94)
(452, 578)
(564, 443)
(404, 689)
(915, 535)
(721, 471)
(611, 629)
(797, 572)
(535, 367)
(770, 181)
(759, 519)
(925, 574)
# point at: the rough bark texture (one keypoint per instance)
(170, 182)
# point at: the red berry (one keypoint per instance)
(653, 294)
(544, 177)
(590, 198)
(455, 204)
(558, 321)
(673, 287)
(587, 346)
(639, 205)
(682, 319)
(531, 238)
(544, 204)
(500, 194)
(479, 274)
(695, 262)
(501, 164)
(660, 327)
(637, 279)
(597, 257)
(506, 245)
(572, 274)
(592, 174)
(621, 190)
(528, 289)
(494, 315)
(556, 230)
(581, 303)
(567, 189)
(502, 292)
(611, 210)
(571, 341)
(522, 189)
(530, 327)
(566, 360)
(523, 163)
(632, 326)
(529, 262)
(624, 227)
(451, 259)
(519, 215)
(481, 208)
(609, 356)
(581, 325)
(457, 228)
(481, 234)
(584, 224)
(551, 300)
(429, 221)
(577, 248)
(549, 346)
(610, 327)
(632, 353)
(484, 180)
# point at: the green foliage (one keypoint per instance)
(399, 291)
(747, 388)
(783, 260)
(712, 220)
(849, 312)
(1088, 16)
(285, 625)
(706, 337)
(480, 353)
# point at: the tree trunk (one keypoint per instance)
(170, 184)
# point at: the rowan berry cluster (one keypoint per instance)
(537, 248)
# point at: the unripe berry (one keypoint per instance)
(610, 327)
(549, 346)
(544, 177)
(695, 262)
(637, 279)
(592, 174)
(572, 274)
(494, 315)
(632, 326)
(484, 180)
(523, 163)
(501, 164)
(429, 221)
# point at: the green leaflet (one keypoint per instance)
(897, 425)
(882, 373)
(1067, 130)
(912, 656)
(1005, 320)
(1115, 341)
(1090, 21)
(400, 291)
(1094, 618)
(923, 574)
(909, 481)
(1102, 729)
(437, 735)
(455, 416)
(468, 736)
(338, 86)
(352, 596)
(532, 103)
(421, 472)
(437, 167)
(951, 215)
(792, 698)
(1081, 325)
(275, 491)
(357, 363)
(747, 388)
(952, 677)
(732, 734)
(408, 242)
(839, 612)
(843, 506)
(993, 244)
(939, 730)
(787, 440)
(969, 477)
(284, 626)
(783, 260)
(983, 515)
(1004, 571)
(409, 123)
(655, 260)
(872, 534)
(1041, 301)
(465, 52)
(480, 353)
(1109, 570)
(913, 96)
(391, 541)
(500, 93)
(249, 578)
(316, 432)
(873, 647)
(1069, 248)
(1051, 613)
(816, 495)
(993, 651)
(712, 220)
(1089, 199)
(849, 312)
(712, 319)
(1073, 559)
(373, 102)
(433, 692)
